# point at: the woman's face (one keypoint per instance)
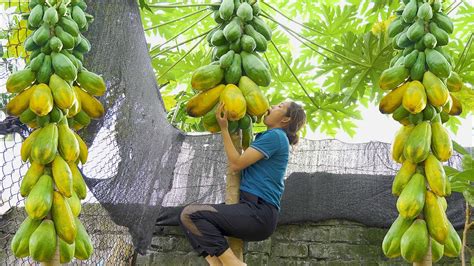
(276, 116)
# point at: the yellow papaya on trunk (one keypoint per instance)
(403, 176)
(89, 104)
(26, 145)
(399, 142)
(435, 89)
(456, 107)
(435, 175)
(390, 102)
(62, 176)
(414, 98)
(20, 102)
(30, 178)
(41, 101)
(435, 217)
(412, 199)
(257, 103)
(234, 102)
(63, 93)
(63, 218)
(83, 151)
(203, 102)
(45, 145)
(78, 184)
(67, 142)
(417, 146)
(441, 143)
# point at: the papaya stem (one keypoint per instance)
(296, 22)
(293, 73)
(181, 58)
(318, 45)
(464, 233)
(181, 32)
(177, 5)
(177, 19)
(179, 44)
(464, 53)
(451, 8)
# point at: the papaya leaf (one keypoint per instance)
(457, 147)
(467, 175)
(450, 171)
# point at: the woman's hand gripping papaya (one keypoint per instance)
(221, 116)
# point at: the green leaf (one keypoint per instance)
(467, 175)
(457, 147)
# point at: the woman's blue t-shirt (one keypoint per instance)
(265, 177)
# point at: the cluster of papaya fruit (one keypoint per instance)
(236, 71)
(55, 97)
(421, 80)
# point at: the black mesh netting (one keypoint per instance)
(142, 170)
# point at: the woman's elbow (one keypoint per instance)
(235, 167)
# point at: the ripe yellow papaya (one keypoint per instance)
(417, 146)
(75, 108)
(31, 177)
(20, 80)
(437, 250)
(41, 101)
(39, 201)
(44, 147)
(453, 244)
(456, 108)
(435, 217)
(399, 142)
(68, 145)
(391, 241)
(62, 176)
(91, 82)
(83, 249)
(89, 104)
(454, 82)
(412, 199)
(414, 98)
(447, 106)
(83, 151)
(441, 143)
(257, 103)
(435, 89)
(26, 145)
(392, 100)
(21, 239)
(415, 241)
(20, 102)
(393, 77)
(203, 102)
(43, 241)
(403, 176)
(78, 183)
(435, 175)
(234, 102)
(75, 204)
(66, 251)
(63, 93)
(63, 218)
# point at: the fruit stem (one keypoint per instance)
(465, 51)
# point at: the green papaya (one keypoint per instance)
(429, 112)
(441, 143)
(55, 44)
(412, 199)
(21, 239)
(218, 38)
(409, 13)
(66, 39)
(233, 30)
(226, 60)
(437, 250)
(256, 9)
(454, 82)
(425, 12)
(436, 5)
(248, 43)
(69, 25)
(63, 218)
(226, 9)
(416, 30)
(234, 72)
(247, 137)
(35, 19)
(403, 41)
(437, 63)
(207, 77)
(418, 144)
(420, 44)
(236, 46)
(261, 42)
(429, 40)
(453, 244)
(219, 51)
(410, 59)
(255, 69)
(391, 241)
(83, 249)
(418, 69)
(37, 62)
(245, 12)
(403, 176)
(30, 44)
(91, 82)
(79, 17)
(444, 22)
(400, 113)
(40, 199)
(217, 17)
(415, 242)
(441, 36)
(260, 26)
(209, 121)
(392, 77)
(396, 27)
(42, 35)
(42, 244)
(51, 16)
(445, 54)
(63, 67)
(44, 148)
(66, 251)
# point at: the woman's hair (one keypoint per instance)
(298, 119)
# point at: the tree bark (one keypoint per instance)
(427, 260)
(232, 194)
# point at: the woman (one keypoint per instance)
(263, 167)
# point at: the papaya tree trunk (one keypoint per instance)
(232, 194)
(427, 260)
